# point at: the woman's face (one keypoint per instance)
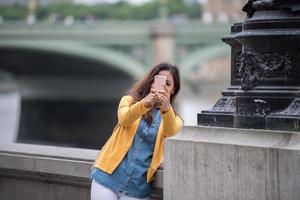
(169, 81)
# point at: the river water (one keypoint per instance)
(188, 108)
(9, 116)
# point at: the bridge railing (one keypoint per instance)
(30, 172)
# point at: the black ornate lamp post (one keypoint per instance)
(265, 70)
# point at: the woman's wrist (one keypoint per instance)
(165, 109)
(147, 104)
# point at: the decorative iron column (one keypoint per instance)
(265, 70)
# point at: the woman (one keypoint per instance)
(126, 165)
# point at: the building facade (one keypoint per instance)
(223, 11)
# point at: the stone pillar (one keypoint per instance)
(163, 43)
(208, 163)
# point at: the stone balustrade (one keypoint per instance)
(38, 172)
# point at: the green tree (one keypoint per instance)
(119, 10)
(15, 11)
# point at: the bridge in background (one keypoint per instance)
(70, 78)
(131, 46)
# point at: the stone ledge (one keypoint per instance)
(243, 137)
(52, 165)
(225, 163)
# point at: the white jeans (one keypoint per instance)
(99, 192)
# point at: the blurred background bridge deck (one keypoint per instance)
(61, 77)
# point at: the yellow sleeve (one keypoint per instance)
(128, 113)
(171, 123)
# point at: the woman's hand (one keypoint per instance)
(164, 98)
(150, 99)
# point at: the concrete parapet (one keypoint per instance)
(212, 163)
(36, 172)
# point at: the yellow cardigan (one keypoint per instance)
(122, 137)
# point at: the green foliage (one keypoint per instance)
(119, 10)
(15, 11)
(191, 10)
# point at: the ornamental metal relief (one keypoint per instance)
(237, 64)
(225, 104)
(252, 67)
(254, 5)
(257, 107)
(293, 109)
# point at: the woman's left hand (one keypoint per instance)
(164, 99)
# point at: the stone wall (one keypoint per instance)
(206, 163)
(36, 172)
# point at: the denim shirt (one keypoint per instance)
(130, 177)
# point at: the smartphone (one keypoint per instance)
(159, 82)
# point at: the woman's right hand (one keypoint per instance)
(150, 99)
